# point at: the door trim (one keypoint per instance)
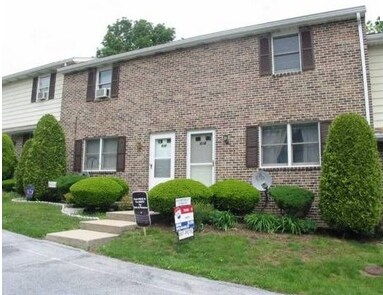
(188, 153)
(152, 140)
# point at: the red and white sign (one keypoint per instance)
(184, 218)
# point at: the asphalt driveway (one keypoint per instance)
(33, 266)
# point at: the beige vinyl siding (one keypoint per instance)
(17, 109)
(375, 55)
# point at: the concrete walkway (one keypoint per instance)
(41, 267)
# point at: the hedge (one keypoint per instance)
(20, 169)
(9, 157)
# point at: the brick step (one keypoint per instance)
(79, 238)
(129, 216)
(108, 225)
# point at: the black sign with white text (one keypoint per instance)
(141, 208)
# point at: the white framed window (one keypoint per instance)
(100, 154)
(104, 78)
(286, 53)
(43, 87)
(290, 145)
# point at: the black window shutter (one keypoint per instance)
(115, 81)
(324, 128)
(77, 161)
(307, 54)
(52, 84)
(34, 89)
(252, 140)
(121, 148)
(265, 55)
(91, 88)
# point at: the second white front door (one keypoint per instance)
(201, 156)
(161, 160)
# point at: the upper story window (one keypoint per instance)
(103, 83)
(286, 54)
(290, 145)
(43, 87)
(292, 52)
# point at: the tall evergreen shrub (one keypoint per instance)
(46, 160)
(9, 157)
(20, 169)
(351, 192)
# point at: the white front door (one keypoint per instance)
(201, 156)
(161, 160)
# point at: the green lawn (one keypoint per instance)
(280, 262)
(35, 220)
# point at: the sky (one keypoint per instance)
(38, 32)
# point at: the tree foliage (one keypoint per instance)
(9, 157)
(351, 193)
(46, 160)
(20, 169)
(126, 35)
(375, 27)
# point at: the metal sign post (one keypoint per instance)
(141, 209)
(184, 218)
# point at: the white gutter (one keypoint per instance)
(364, 69)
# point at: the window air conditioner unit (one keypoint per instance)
(102, 93)
(43, 95)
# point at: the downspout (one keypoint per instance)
(364, 69)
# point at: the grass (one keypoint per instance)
(34, 220)
(278, 262)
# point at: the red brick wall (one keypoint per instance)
(217, 86)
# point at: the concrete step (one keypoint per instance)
(129, 216)
(80, 238)
(108, 225)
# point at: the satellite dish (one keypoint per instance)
(261, 180)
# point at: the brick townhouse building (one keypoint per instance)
(221, 105)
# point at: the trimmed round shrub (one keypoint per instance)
(9, 157)
(123, 184)
(292, 200)
(351, 191)
(20, 169)
(162, 196)
(8, 185)
(236, 196)
(66, 181)
(46, 159)
(96, 192)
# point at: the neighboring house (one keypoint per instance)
(221, 105)
(30, 94)
(375, 55)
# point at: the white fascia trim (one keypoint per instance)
(364, 68)
(375, 39)
(318, 18)
(19, 130)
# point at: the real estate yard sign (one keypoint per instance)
(141, 208)
(184, 218)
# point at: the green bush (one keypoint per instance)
(123, 184)
(203, 213)
(236, 196)
(66, 181)
(46, 159)
(20, 169)
(8, 185)
(351, 191)
(9, 157)
(223, 219)
(96, 192)
(262, 222)
(292, 200)
(162, 196)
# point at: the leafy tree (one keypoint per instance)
(126, 35)
(20, 169)
(375, 27)
(9, 157)
(351, 192)
(46, 159)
